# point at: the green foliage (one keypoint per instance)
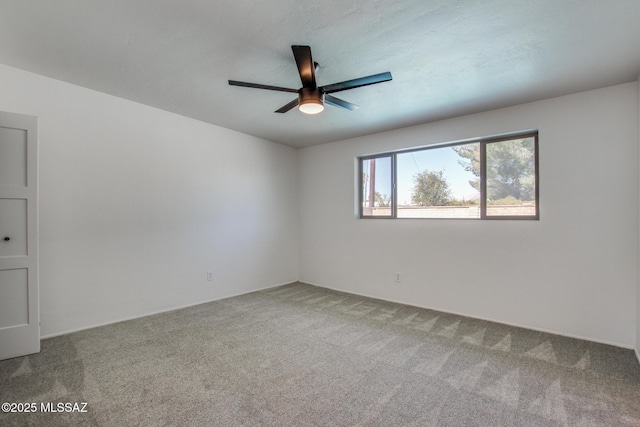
(509, 200)
(458, 202)
(382, 200)
(431, 189)
(510, 168)
(470, 161)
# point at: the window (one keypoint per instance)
(376, 186)
(488, 178)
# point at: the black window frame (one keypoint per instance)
(392, 196)
(483, 141)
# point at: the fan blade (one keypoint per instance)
(337, 102)
(288, 107)
(259, 86)
(305, 64)
(362, 81)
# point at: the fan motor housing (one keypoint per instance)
(311, 95)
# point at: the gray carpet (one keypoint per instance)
(299, 355)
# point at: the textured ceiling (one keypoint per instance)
(447, 57)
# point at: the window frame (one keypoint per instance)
(392, 196)
(483, 141)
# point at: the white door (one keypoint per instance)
(19, 311)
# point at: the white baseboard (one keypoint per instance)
(84, 328)
(547, 331)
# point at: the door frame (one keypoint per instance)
(20, 340)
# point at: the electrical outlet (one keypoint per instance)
(209, 276)
(398, 278)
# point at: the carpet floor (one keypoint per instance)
(299, 355)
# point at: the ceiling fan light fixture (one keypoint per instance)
(311, 107)
(311, 100)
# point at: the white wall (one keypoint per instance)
(137, 204)
(573, 272)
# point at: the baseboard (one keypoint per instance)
(637, 354)
(547, 331)
(84, 328)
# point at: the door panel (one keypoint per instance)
(14, 287)
(19, 312)
(13, 162)
(13, 226)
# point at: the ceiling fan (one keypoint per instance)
(311, 98)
